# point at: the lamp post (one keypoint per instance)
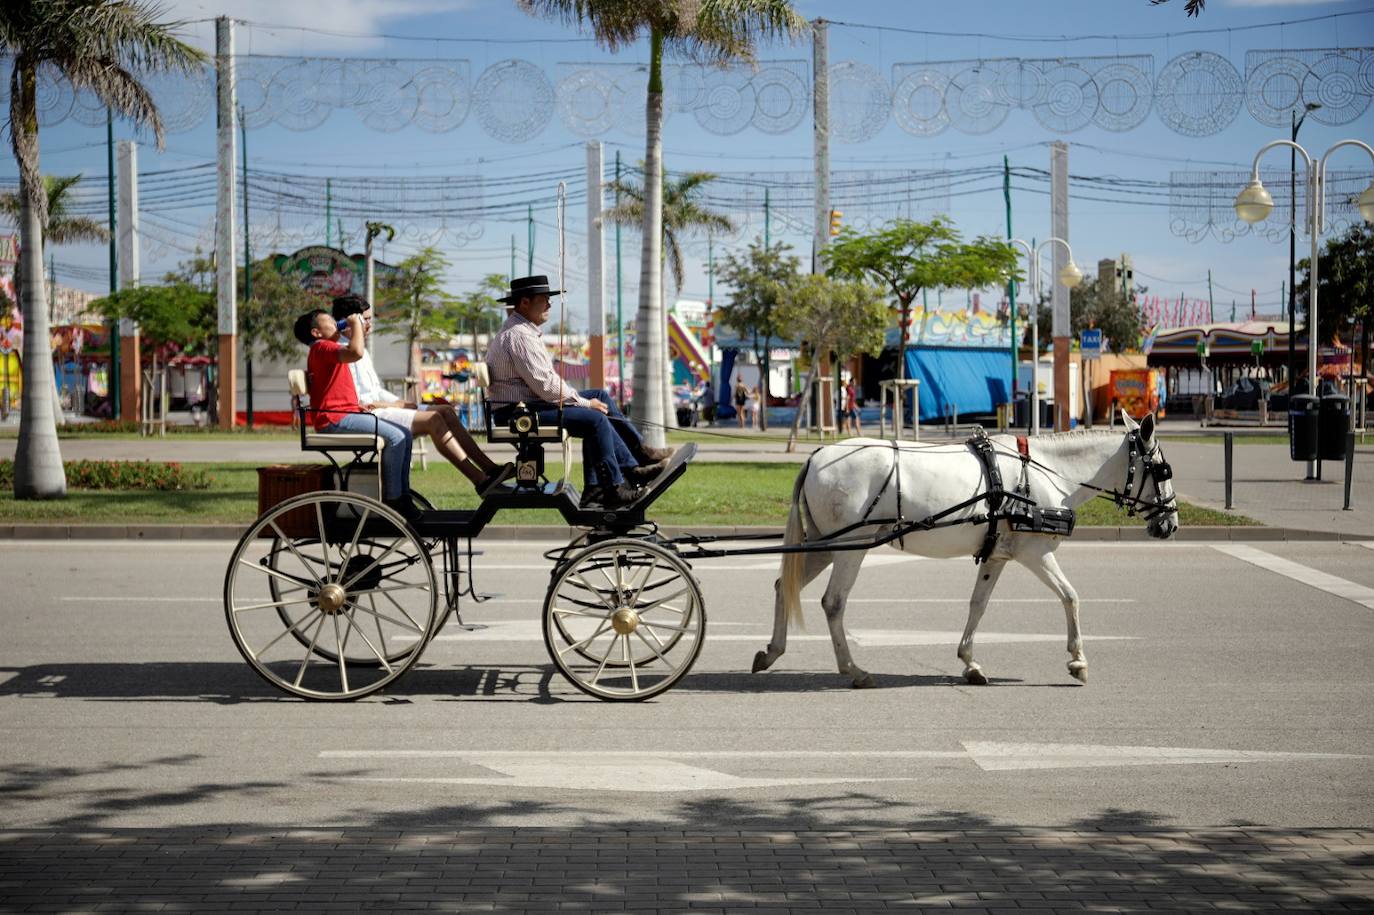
(1254, 204)
(1070, 276)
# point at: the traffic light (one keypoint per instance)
(835, 219)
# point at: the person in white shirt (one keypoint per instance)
(440, 421)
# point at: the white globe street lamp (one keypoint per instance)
(1070, 276)
(1253, 204)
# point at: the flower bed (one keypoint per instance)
(149, 475)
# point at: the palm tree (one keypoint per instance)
(716, 31)
(99, 46)
(62, 227)
(683, 214)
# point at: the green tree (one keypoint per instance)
(708, 30)
(1100, 305)
(175, 317)
(835, 318)
(101, 46)
(1345, 286)
(757, 280)
(683, 214)
(63, 226)
(907, 256)
(479, 310)
(413, 305)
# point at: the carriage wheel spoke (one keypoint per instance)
(309, 652)
(670, 628)
(294, 552)
(604, 658)
(344, 556)
(375, 560)
(627, 656)
(653, 605)
(657, 651)
(377, 618)
(294, 627)
(277, 573)
(566, 612)
(324, 540)
(373, 611)
(275, 603)
(588, 640)
(343, 665)
(634, 601)
(414, 625)
(354, 627)
(586, 584)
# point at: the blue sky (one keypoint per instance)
(1168, 264)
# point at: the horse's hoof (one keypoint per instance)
(865, 682)
(1079, 673)
(975, 677)
(761, 661)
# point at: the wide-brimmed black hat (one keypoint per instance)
(529, 286)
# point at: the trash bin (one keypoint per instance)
(1335, 421)
(1303, 413)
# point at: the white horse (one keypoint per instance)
(843, 486)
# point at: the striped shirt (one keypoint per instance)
(521, 368)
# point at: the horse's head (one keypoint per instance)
(1149, 486)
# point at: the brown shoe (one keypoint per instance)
(654, 455)
(646, 472)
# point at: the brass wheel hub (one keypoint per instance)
(624, 621)
(331, 598)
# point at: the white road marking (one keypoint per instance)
(531, 630)
(1331, 584)
(996, 757)
(144, 600)
(666, 771)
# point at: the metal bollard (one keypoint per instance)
(1349, 467)
(1228, 449)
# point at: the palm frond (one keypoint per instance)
(118, 88)
(129, 31)
(75, 228)
(613, 23)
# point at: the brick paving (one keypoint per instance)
(529, 869)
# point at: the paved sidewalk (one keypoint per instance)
(969, 866)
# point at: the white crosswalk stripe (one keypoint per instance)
(1315, 578)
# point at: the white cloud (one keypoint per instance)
(352, 25)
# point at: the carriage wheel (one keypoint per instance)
(291, 614)
(330, 596)
(624, 619)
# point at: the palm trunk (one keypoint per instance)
(38, 472)
(801, 404)
(650, 375)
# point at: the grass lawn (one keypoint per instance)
(730, 494)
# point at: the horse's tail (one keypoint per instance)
(790, 580)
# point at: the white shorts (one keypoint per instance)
(401, 416)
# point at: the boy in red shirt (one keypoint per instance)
(334, 400)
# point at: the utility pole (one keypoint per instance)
(529, 253)
(1210, 306)
(247, 271)
(114, 261)
(619, 316)
(512, 257)
(596, 266)
(1011, 284)
(820, 81)
(225, 279)
(1059, 222)
(328, 212)
(130, 357)
(767, 243)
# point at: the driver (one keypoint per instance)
(616, 461)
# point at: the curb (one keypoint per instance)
(510, 532)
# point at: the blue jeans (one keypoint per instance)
(395, 456)
(610, 444)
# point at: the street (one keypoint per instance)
(1220, 691)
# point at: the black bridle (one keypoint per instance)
(1153, 466)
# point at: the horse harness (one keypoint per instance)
(1016, 506)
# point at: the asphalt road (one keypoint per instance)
(1228, 685)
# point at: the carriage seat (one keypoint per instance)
(524, 432)
(360, 443)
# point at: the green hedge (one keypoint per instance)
(152, 475)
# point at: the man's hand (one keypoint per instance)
(599, 407)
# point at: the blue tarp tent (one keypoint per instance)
(964, 379)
